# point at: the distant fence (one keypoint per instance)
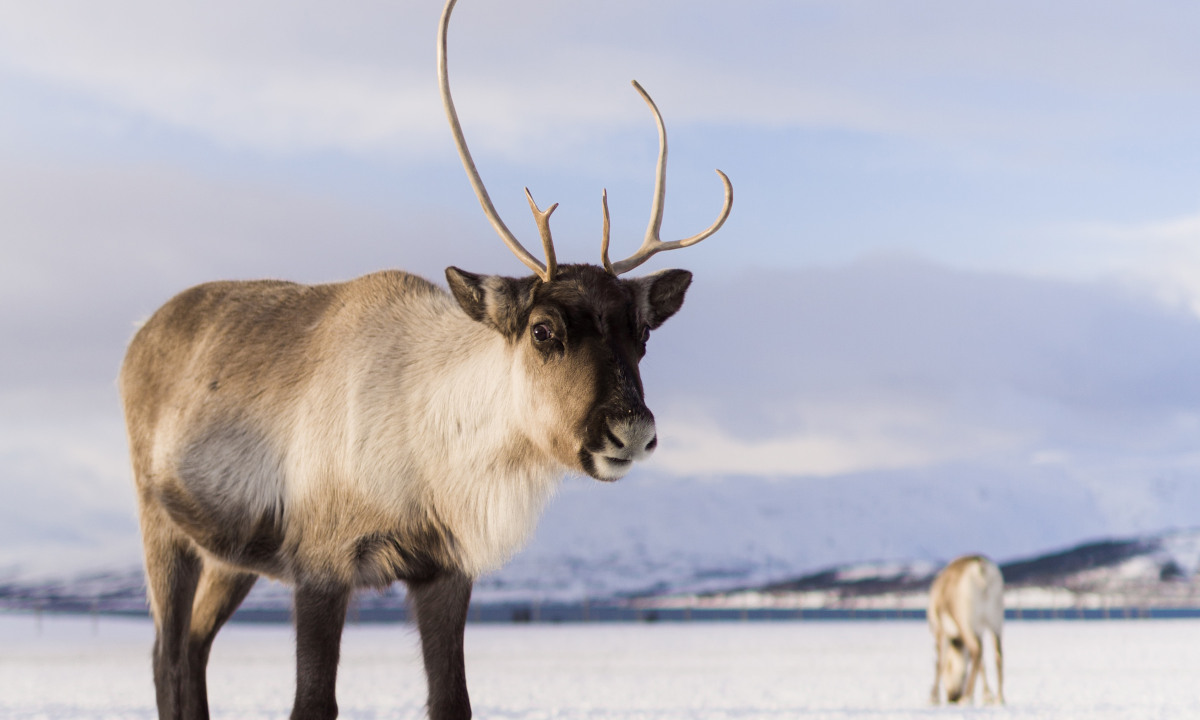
(581, 613)
(535, 612)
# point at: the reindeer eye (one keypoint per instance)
(542, 333)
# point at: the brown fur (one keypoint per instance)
(354, 434)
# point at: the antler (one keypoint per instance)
(652, 244)
(545, 272)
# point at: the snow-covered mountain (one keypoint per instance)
(650, 535)
(656, 536)
(1152, 570)
(1140, 575)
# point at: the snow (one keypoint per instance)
(81, 667)
(872, 571)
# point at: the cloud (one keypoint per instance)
(302, 77)
(277, 76)
(60, 516)
(130, 227)
(1160, 256)
(893, 364)
(833, 440)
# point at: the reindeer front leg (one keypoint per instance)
(441, 605)
(320, 616)
(934, 694)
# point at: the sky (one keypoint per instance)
(964, 234)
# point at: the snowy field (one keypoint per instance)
(77, 667)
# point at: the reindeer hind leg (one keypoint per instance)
(172, 572)
(975, 659)
(999, 669)
(221, 590)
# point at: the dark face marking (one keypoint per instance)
(586, 333)
(595, 326)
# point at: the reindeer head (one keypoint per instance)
(577, 342)
(579, 330)
(954, 668)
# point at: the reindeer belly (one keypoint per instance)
(223, 489)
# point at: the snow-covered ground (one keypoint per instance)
(77, 667)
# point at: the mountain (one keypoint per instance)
(1141, 573)
(1144, 571)
(652, 535)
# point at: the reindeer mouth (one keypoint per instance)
(618, 463)
(619, 445)
(606, 463)
(604, 468)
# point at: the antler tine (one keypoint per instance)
(604, 239)
(652, 243)
(543, 222)
(546, 273)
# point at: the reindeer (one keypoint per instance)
(351, 435)
(966, 598)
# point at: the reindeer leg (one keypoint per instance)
(441, 605)
(975, 657)
(172, 570)
(935, 694)
(320, 616)
(220, 592)
(999, 669)
(988, 698)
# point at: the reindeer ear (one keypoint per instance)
(660, 295)
(499, 302)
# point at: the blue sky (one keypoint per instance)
(972, 228)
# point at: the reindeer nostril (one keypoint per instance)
(652, 444)
(612, 437)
